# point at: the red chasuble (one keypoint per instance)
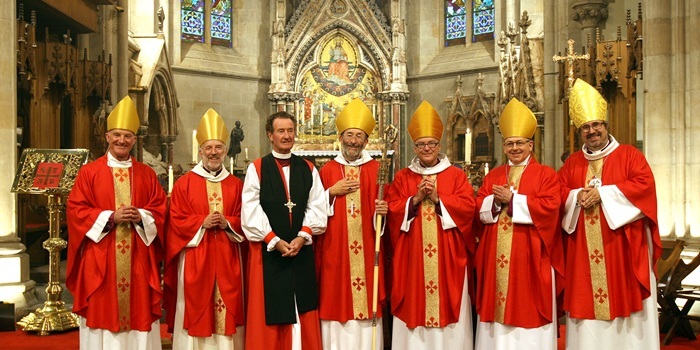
(91, 267)
(216, 259)
(625, 251)
(534, 250)
(454, 250)
(333, 250)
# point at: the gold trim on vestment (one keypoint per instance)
(219, 311)
(123, 242)
(596, 251)
(431, 274)
(214, 198)
(358, 278)
(504, 246)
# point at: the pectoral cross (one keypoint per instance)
(290, 205)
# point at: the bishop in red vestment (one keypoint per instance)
(345, 252)
(520, 249)
(431, 209)
(612, 240)
(203, 261)
(115, 214)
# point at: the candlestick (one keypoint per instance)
(468, 146)
(170, 179)
(194, 146)
(246, 153)
(230, 164)
(486, 169)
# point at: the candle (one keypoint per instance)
(194, 146)
(486, 169)
(246, 153)
(374, 110)
(230, 164)
(468, 146)
(170, 179)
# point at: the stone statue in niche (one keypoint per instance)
(234, 147)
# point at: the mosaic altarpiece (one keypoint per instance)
(326, 54)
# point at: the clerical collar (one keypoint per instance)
(601, 153)
(442, 164)
(525, 162)
(212, 172)
(600, 150)
(113, 162)
(281, 155)
(219, 176)
(364, 158)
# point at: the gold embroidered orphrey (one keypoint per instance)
(430, 259)
(215, 200)
(504, 246)
(358, 277)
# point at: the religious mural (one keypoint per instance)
(338, 77)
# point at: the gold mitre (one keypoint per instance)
(211, 127)
(425, 122)
(355, 115)
(124, 116)
(586, 104)
(517, 120)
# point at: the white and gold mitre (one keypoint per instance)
(124, 116)
(425, 122)
(517, 120)
(586, 104)
(355, 115)
(211, 127)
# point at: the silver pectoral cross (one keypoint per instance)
(351, 207)
(290, 205)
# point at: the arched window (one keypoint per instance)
(455, 23)
(207, 21)
(483, 13)
(456, 20)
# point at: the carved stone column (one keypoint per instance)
(589, 14)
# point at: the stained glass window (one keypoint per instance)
(221, 22)
(192, 15)
(483, 13)
(455, 22)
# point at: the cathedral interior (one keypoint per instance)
(68, 62)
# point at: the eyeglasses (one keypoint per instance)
(592, 126)
(431, 144)
(519, 143)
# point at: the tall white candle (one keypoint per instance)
(246, 153)
(486, 169)
(194, 146)
(468, 146)
(170, 179)
(230, 164)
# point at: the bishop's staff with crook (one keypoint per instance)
(390, 134)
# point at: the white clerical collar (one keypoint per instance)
(601, 153)
(443, 163)
(113, 162)
(525, 162)
(364, 158)
(200, 170)
(281, 155)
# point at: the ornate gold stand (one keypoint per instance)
(53, 316)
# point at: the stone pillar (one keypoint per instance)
(670, 128)
(15, 285)
(589, 14)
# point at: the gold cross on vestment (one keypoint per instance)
(290, 205)
(570, 58)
